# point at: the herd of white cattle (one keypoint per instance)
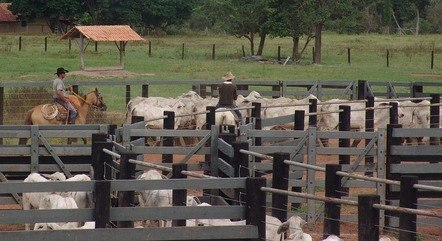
(190, 109)
(292, 229)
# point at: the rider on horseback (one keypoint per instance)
(61, 95)
(228, 95)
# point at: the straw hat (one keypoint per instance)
(228, 76)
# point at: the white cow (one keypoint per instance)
(330, 120)
(293, 228)
(333, 238)
(82, 199)
(32, 200)
(56, 201)
(154, 198)
(272, 224)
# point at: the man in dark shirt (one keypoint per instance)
(228, 95)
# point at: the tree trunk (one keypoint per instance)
(261, 43)
(295, 49)
(252, 43)
(318, 42)
(417, 22)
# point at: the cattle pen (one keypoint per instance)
(241, 166)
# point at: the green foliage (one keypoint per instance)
(51, 10)
(434, 17)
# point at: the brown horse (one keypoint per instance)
(35, 115)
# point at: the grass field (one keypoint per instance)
(410, 58)
(409, 55)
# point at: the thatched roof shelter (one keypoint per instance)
(120, 34)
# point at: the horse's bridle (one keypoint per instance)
(97, 95)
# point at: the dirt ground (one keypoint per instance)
(105, 73)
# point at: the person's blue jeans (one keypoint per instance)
(71, 109)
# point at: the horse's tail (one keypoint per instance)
(28, 120)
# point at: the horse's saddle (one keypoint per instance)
(54, 110)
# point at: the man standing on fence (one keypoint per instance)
(61, 95)
(227, 95)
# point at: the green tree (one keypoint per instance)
(164, 13)
(325, 11)
(292, 19)
(98, 10)
(242, 18)
(50, 10)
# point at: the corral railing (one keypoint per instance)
(102, 213)
(44, 151)
(423, 161)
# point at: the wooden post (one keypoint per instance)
(150, 48)
(243, 52)
(213, 52)
(388, 58)
(182, 53)
(313, 54)
(344, 125)
(126, 198)
(96, 46)
(241, 160)
(69, 45)
(81, 47)
(179, 197)
(2, 108)
(368, 218)
(136, 119)
(210, 117)
(241, 166)
(19, 43)
(102, 199)
(145, 91)
(434, 116)
(46, 44)
(299, 120)
(98, 158)
(394, 118)
(255, 203)
(127, 94)
(256, 111)
(408, 199)
(417, 90)
(210, 120)
(369, 127)
(313, 108)
(348, 56)
(169, 124)
(280, 181)
(362, 89)
(389, 160)
(432, 59)
(332, 211)
(299, 126)
(75, 88)
(279, 53)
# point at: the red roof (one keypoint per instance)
(104, 33)
(6, 15)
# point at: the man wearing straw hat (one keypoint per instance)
(227, 95)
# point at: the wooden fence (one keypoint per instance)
(322, 89)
